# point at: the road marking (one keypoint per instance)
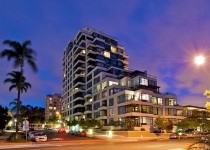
(155, 145)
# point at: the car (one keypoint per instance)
(40, 137)
(31, 129)
(62, 130)
(177, 136)
(190, 135)
(31, 134)
(82, 134)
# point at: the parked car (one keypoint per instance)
(177, 136)
(190, 135)
(40, 137)
(62, 130)
(82, 134)
(31, 129)
(31, 134)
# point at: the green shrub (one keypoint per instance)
(8, 128)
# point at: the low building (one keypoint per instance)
(52, 105)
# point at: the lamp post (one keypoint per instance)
(199, 60)
(26, 125)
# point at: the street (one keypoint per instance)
(105, 145)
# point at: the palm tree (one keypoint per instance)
(17, 81)
(14, 104)
(19, 53)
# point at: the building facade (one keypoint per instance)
(52, 105)
(98, 84)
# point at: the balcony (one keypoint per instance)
(78, 98)
(103, 107)
(79, 62)
(88, 95)
(102, 117)
(88, 111)
(79, 75)
(78, 113)
(88, 103)
(78, 105)
(125, 62)
(79, 83)
(82, 55)
(79, 69)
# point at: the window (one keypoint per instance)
(112, 83)
(111, 112)
(96, 106)
(113, 49)
(160, 101)
(170, 102)
(83, 52)
(145, 97)
(107, 54)
(121, 110)
(124, 97)
(144, 81)
(104, 94)
(155, 111)
(104, 85)
(136, 82)
(154, 100)
(111, 102)
(146, 109)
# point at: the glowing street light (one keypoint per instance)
(199, 60)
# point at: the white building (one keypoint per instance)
(98, 84)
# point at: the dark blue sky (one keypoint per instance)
(160, 36)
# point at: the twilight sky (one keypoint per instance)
(160, 36)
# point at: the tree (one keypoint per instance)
(92, 123)
(184, 124)
(19, 53)
(14, 105)
(53, 119)
(17, 81)
(5, 118)
(130, 124)
(71, 123)
(207, 94)
(163, 124)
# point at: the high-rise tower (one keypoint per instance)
(98, 84)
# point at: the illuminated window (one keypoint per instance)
(160, 101)
(107, 54)
(104, 85)
(54, 108)
(83, 52)
(50, 108)
(144, 81)
(113, 49)
(111, 112)
(145, 97)
(112, 83)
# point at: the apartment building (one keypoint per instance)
(52, 105)
(97, 83)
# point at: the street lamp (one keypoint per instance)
(199, 60)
